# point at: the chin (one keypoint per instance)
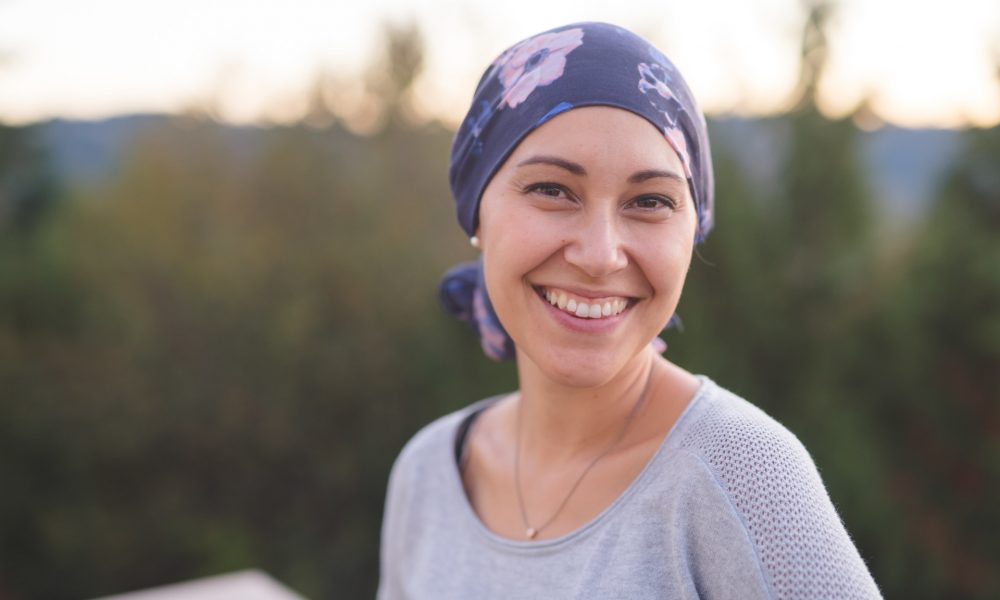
(581, 367)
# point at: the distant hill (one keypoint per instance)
(903, 165)
(906, 165)
(90, 151)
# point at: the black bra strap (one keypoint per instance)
(462, 434)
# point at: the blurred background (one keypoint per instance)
(222, 226)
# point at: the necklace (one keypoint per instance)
(530, 531)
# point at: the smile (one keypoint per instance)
(584, 308)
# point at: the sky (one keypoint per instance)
(918, 63)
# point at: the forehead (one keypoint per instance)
(600, 137)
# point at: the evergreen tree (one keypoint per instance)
(27, 187)
(938, 387)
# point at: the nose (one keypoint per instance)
(597, 245)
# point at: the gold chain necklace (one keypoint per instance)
(530, 531)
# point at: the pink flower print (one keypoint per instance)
(492, 337)
(675, 137)
(493, 343)
(653, 84)
(652, 77)
(535, 62)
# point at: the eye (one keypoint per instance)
(548, 190)
(652, 203)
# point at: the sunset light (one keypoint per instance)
(247, 62)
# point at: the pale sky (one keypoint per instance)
(920, 62)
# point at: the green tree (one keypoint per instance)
(938, 333)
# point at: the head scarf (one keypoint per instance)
(581, 64)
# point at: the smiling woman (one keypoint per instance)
(583, 174)
(590, 207)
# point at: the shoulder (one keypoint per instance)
(753, 457)
(417, 495)
(421, 476)
(429, 440)
(775, 488)
(737, 440)
(432, 445)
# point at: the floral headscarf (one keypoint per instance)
(582, 64)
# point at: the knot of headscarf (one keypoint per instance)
(582, 64)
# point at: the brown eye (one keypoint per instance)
(650, 203)
(550, 190)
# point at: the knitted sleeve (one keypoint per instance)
(772, 482)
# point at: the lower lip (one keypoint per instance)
(582, 325)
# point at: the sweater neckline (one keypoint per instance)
(472, 521)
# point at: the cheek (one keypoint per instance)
(518, 238)
(665, 263)
(529, 244)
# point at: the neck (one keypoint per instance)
(561, 423)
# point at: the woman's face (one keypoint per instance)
(591, 212)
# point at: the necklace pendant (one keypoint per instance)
(531, 532)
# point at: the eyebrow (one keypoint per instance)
(577, 169)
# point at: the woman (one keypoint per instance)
(583, 174)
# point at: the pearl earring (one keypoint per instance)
(474, 240)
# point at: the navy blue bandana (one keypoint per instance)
(582, 64)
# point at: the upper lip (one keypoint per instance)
(586, 293)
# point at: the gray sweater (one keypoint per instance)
(729, 506)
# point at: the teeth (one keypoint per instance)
(585, 310)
